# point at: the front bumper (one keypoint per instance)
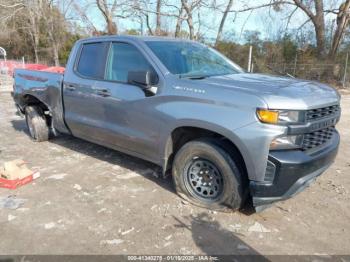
(295, 170)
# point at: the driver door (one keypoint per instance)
(130, 122)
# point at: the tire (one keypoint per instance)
(36, 123)
(223, 185)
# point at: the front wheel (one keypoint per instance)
(205, 174)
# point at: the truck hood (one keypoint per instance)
(278, 92)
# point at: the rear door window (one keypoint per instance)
(92, 60)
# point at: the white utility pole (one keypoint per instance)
(250, 58)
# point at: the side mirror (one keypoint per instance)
(144, 79)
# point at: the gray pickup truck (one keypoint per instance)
(227, 135)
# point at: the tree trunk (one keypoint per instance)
(36, 46)
(107, 13)
(189, 18)
(34, 32)
(36, 54)
(190, 26)
(319, 23)
(158, 19)
(55, 54)
(317, 20)
(150, 31)
(320, 39)
(223, 20)
(179, 23)
(342, 23)
(54, 46)
(111, 26)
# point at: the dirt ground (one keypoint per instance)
(92, 200)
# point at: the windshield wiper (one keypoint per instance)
(197, 77)
(194, 77)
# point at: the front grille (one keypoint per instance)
(319, 113)
(317, 138)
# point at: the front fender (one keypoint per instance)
(229, 134)
(222, 119)
(252, 141)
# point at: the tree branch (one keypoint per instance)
(261, 6)
(12, 6)
(307, 10)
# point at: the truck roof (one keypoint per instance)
(133, 37)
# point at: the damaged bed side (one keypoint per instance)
(43, 89)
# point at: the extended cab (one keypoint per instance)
(224, 133)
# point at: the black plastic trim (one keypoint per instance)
(295, 170)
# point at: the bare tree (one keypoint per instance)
(55, 26)
(8, 9)
(143, 12)
(176, 11)
(179, 21)
(34, 13)
(189, 8)
(108, 14)
(158, 17)
(32, 16)
(149, 27)
(82, 13)
(315, 12)
(144, 8)
(342, 23)
(317, 18)
(223, 20)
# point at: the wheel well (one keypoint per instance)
(30, 100)
(182, 135)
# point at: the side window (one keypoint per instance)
(124, 58)
(93, 59)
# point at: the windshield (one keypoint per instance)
(189, 59)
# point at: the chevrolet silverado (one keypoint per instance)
(225, 134)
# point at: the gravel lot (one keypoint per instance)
(92, 200)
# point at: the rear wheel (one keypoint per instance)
(206, 175)
(36, 122)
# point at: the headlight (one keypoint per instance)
(282, 117)
(286, 142)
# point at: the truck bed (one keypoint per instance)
(44, 86)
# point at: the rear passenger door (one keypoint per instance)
(83, 113)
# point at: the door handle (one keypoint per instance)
(70, 87)
(102, 92)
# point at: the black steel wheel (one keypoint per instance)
(203, 179)
(206, 175)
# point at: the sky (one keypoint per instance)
(268, 23)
